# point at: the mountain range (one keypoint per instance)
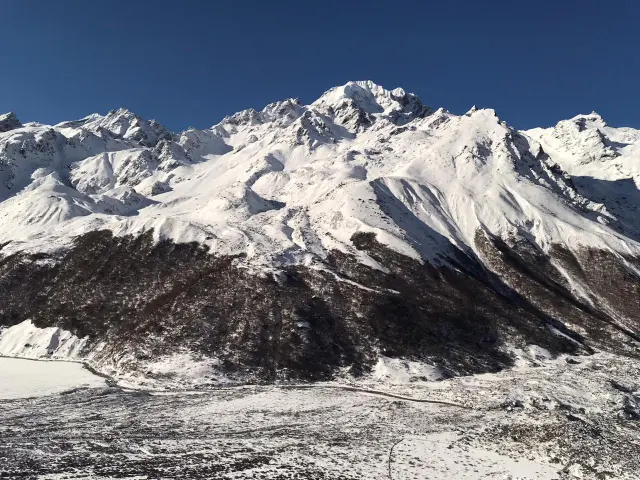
(304, 242)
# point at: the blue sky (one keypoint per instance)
(192, 62)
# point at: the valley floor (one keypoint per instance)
(561, 419)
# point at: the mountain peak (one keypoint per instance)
(375, 89)
(357, 104)
(290, 108)
(121, 112)
(9, 121)
(365, 94)
(591, 118)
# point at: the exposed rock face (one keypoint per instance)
(9, 121)
(632, 406)
(146, 299)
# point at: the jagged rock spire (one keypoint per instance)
(9, 121)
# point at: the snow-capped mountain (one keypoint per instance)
(311, 238)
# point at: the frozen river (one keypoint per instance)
(21, 378)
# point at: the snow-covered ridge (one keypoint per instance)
(291, 182)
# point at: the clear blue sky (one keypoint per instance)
(192, 62)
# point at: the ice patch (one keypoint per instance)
(20, 378)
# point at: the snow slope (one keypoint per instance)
(290, 182)
(28, 341)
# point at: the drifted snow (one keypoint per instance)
(28, 341)
(290, 182)
(399, 371)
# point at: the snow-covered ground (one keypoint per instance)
(562, 419)
(21, 378)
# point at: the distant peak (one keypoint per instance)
(374, 88)
(93, 116)
(585, 122)
(368, 84)
(7, 116)
(249, 116)
(369, 101)
(365, 88)
(588, 116)
(121, 112)
(9, 121)
(283, 103)
(286, 110)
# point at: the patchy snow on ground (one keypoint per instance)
(565, 418)
(442, 456)
(22, 378)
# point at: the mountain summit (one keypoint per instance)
(301, 241)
